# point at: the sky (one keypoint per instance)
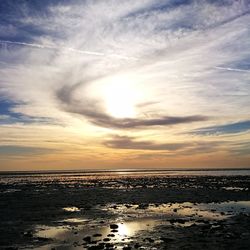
(124, 84)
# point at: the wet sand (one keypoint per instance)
(125, 212)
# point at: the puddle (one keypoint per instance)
(235, 188)
(133, 222)
(71, 209)
(75, 220)
(208, 211)
(231, 207)
(67, 237)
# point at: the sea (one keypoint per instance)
(33, 176)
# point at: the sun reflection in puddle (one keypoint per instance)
(73, 237)
(132, 227)
(132, 222)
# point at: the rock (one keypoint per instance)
(28, 234)
(42, 239)
(149, 240)
(87, 239)
(109, 246)
(166, 240)
(143, 206)
(111, 235)
(137, 245)
(98, 247)
(113, 226)
(127, 248)
(97, 235)
(102, 244)
(128, 206)
(106, 239)
(114, 231)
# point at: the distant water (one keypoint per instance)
(188, 172)
(9, 177)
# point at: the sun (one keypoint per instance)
(120, 100)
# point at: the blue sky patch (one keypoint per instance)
(232, 128)
(12, 150)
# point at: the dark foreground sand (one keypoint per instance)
(151, 212)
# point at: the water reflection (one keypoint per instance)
(86, 235)
(134, 221)
(71, 209)
(208, 211)
(75, 220)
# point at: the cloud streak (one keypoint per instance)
(64, 49)
(233, 69)
(93, 112)
(180, 148)
(125, 142)
(232, 128)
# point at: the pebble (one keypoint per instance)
(106, 239)
(127, 248)
(137, 245)
(149, 240)
(114, 226)
(97, 235)
(87, 239)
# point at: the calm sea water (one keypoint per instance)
(9, 177)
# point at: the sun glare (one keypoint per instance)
(120, 100)
(123, 230)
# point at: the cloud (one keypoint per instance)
(57, 57)
(92, 39)
(108, 121)
(63, 49)
(233, 69)
(125, 142)
(180, 148)
(232, 128)
(240, 148)
(92, 110)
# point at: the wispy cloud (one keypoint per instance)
(174, 148)
(232, 128)
(125, 142)
(187, 63)
(233, 69)
(92, 110)
(63, 49)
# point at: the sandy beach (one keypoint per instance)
(117, 211)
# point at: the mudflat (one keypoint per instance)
(153, 211)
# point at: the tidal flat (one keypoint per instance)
(157, 210)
